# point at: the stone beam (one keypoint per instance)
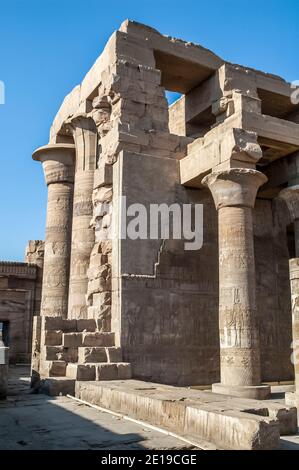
(219, 150)
(174, 56)
(279, 173)
(272, 128)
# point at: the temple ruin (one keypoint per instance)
(20, 298)
(114, 308)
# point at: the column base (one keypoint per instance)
(256, 392)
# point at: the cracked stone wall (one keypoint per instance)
(160, 300)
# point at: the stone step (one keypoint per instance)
(113, 371)
(54, 368)
(55, 386)
(99, 371)
(99, 354)
(81, 371)
(186, 411)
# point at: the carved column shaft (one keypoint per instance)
(291, 196)
(82, 233)
(234, 194)
(294, 279)
(239, 337)
(58, 165)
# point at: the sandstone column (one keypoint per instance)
(291, 197)
(234, 192)
(58, 165)
(85, 136)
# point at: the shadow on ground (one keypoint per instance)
(36, 421)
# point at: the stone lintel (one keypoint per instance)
(233, 147)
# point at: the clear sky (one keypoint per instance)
(47, 46)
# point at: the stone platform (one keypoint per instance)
(226, 421)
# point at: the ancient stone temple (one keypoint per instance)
(20, 298)
(114, 307)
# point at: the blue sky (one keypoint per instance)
(47, 46)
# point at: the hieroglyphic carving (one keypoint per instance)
(238, 323)
(58, 165)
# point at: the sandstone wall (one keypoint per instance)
(165, 299)
(20, 296)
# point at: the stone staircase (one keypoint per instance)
(76, 350)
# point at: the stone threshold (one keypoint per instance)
(225, 421)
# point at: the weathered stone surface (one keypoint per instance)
(86, 324)
(92, 354)
(54, 368)
(81, 371)
(97, 339)
(150, 301)
(234, 194)
(58, 164)
(53, 338)
(58, 386)
(72, 340)
(114, 354)
(189, 411)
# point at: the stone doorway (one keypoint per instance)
(4, 333)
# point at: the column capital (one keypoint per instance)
(235, 187)
(58, 162)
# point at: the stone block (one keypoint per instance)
(56, 368)
(86, 324)
(69, 325)
(53, 338)
(51, 352)
(106, 372)
(71, 340)
(103, 176)
(92, 354)
(81, 371)
(124, 371)
(52, 323)
(58, 386)
(97, 339)
(69, 355)
(113, 354)
(103, 194)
